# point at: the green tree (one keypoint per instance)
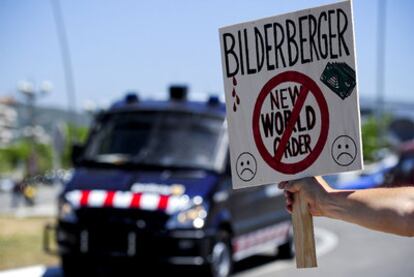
(373, 136)
(19, 152)
(74, 134)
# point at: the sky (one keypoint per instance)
(144, 46)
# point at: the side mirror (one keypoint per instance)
(77, 151)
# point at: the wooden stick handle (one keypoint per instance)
(303, 234)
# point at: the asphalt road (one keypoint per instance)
(359, 252)
(353, 251)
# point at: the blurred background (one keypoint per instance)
(62, 62)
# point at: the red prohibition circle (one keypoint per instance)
(308, 85)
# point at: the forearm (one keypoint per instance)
(387, 210)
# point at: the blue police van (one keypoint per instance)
(152, 186)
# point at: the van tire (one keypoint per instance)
(221, 258)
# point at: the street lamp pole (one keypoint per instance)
(66, 58)
(381, 33)
(31, 95)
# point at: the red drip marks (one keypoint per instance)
(234, 95)
(234, 81)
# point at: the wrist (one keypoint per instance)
(335, 204)
(328, 203)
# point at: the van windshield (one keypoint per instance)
(167, 139)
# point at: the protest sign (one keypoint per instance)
(292, 103)
(291, 96)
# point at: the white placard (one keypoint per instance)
(292, 95)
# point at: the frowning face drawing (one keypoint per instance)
(246, 166)
(344, 150)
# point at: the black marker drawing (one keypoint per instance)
(344, 150)
(246, 166)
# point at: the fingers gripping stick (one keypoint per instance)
(303, 233)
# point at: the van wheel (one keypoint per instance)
(221, 263)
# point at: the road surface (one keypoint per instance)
(359, 252)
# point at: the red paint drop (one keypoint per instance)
(234, 107)
(237, 100)
(233, 93)
(234, 81)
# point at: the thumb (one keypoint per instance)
(291, 186)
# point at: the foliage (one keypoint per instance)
(12, 156)
(373, 136)
(74, 135)
(17, 154)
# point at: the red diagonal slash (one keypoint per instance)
(297, 107)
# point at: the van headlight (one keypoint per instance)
(66, 212)
(193, 217)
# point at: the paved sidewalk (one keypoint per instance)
(46, 210)
(45, 203)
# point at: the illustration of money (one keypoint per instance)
(340, 78)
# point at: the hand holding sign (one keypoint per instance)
(313, 190)
(301, 202)
(294, 110)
